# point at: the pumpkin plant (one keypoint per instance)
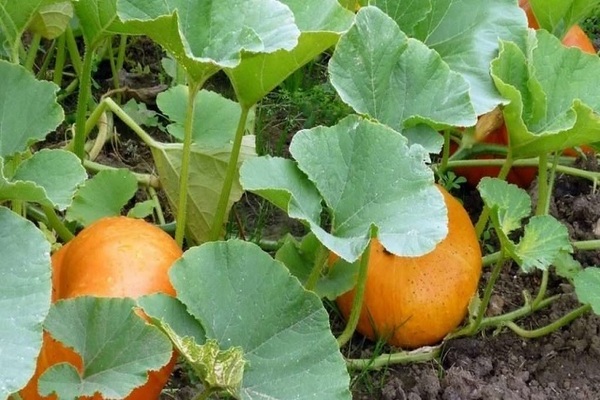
(248, 328)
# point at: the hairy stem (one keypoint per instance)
(59, 61)
(85, 92)
(57, 224)
(315, 273)
(32, 52)
(185, 162)
(403, 357)
(221, 212)
(359, 294)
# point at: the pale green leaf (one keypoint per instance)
(407, 14)
(207, 174)
(209, 35)
(381, 72)
(49, 178)
(28, 109)
(140, 113)
(320, 23)
(15, 16)
(466, 35)
(299, 258)
(508, 201)
(115, 360)
(98, 20)
(57, 172)
(551, 105)
(368, 176)
(282, 328)
(587, 287)
(51, 20)
(566, 265)
(215, 117)
(142, 209)
(557, 16)
(104, 195)
(25, 290)
(543, 240)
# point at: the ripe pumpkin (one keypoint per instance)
(416, 301)
(523, 176)
(114, 257)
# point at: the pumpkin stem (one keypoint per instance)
(358, 298)
(546, 330)
(315, 273)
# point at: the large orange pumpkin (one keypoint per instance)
(114, 257)
(523, 176)
(416, 301)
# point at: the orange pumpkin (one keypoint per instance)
(114, 257)
(416, 301)
(523, 176)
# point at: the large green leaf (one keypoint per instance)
(51, 20)
(544, 238)
(28, 109)
(207, 173)
(368, 177)
(15, 16)
(587, 287)
(117, 348)
(379, 71)
(49, 177)
(25, 290)
(215, 117)
(212, 34)
(557, 16)
(465, 34)
(104, 195)
(551, 105)
(245, 299)
(320, 22)
(98, 20)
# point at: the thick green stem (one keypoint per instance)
(543, 331)
(403, 357)
(542, 290)
(157, 207)
(142, 179)
(487, 294)
(56, 223)
(59, 61)
(73, 51)
(185, 162)
(221, 213)
(485, 213)
(543, 187)
(315, 273)
(32, 52)
(523, 311)
(127, 120)
(85, 91)
(359, 294)
(445, 152)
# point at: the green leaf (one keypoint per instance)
(115, 360)
(566, 266)
(25, 290)
(557, 16)
(544, 239)
(15, 16)
(140, 113)
(215, 117)
(587, 287)
(28, 108)
(207, 173)
(49, 177)
(408, 15)
(367, 176)
(51, 20)
(209, 35)
(465, 34)
(282, 328)
(166, 310)
(510, 202)
(299, 258)
(551, 107)
(98, 20)
(379, 71)
(142, 209)
(103, 195)
(320, 23)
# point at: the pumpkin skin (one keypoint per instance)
(524, 176)
(415, 301)
(113, 257)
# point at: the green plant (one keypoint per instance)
(408, 74)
